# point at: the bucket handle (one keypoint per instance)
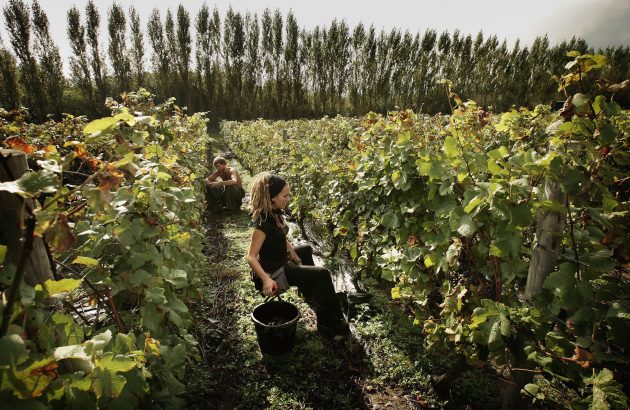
(269, 298)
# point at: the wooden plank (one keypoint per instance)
(13, 165)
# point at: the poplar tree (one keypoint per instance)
(50, 64)
(266, 56)
(278, 48)
(17, 18)
(252, 66)
(356, 69)
(292, 70)
(137, 47)
(97, 62)
(9, 88)
(184, 49)
(203, 55)
(118, 54)
(79, 64)
(172, 54)
(160, 58)
(216, 78)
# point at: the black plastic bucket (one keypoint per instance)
(275, 324)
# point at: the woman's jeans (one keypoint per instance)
(314, 283)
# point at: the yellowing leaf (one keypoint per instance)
(428, 262)
(84, 260)
(3, 253)
(99, 126)
(59, 234)
(396, 293)
(55, 287)
(116, 363)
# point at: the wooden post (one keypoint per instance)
(549, 233)
(12, 216)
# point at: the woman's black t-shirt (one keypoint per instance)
(273, 253)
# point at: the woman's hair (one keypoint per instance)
(260, 199)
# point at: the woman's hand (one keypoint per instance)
(269, 287)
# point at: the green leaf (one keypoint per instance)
(495, 341)
(12, 350)
(152, 317)
(582, 103)
(600, 261)
(177, 277)
(126, 117)
(116, 364)
(32, 183)
(127, 159)
(499, 153)
(84, 260)
(70, 332)
(175, 358)
(395, 175)
(100, 126)
(607, 392)
(450, 146)
(96, 345)
(467, 226)
(55, 287)
(521, 215)
(107, 384)
(494, 168)
(531, 389)
(559, 279)
(139, 277)
(155, 295)
(473, 204)
(391, 220)
(70, 352)
(609, 109)
(607, 134)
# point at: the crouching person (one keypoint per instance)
(276, 264)
(224, 189)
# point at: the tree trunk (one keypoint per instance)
(549, 232)
(12, 216)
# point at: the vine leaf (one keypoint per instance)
(32, 183)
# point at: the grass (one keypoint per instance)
(382, 365)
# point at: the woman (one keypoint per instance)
(270, 253)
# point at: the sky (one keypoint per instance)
(599, 22)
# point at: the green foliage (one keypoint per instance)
(444, 207)
(120, 208)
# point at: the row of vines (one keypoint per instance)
(118, 202)
(448, 209)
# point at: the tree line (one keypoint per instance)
(244, 66)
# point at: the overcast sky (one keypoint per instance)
(600, 22)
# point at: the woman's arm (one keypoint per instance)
(269, 285)
(292, 255)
